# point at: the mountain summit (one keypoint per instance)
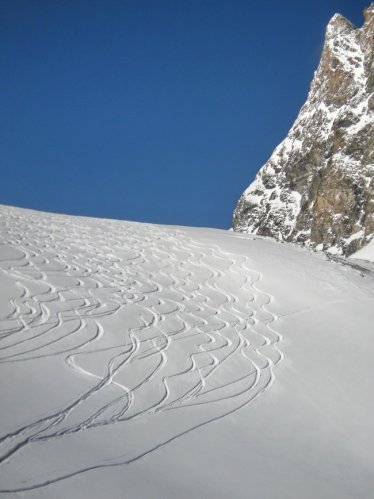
(317, 188)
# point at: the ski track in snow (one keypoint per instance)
(194, 341)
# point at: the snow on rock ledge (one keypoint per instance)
(365, 253)
(317, 188)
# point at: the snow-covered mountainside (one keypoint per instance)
(146, 361)
(317, 188)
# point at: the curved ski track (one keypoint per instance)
(195, 340)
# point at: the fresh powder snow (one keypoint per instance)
(144, 361)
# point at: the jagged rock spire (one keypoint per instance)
(317, 188)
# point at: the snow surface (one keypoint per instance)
(142, 361)
(366, 253)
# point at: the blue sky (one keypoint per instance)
(157, 111)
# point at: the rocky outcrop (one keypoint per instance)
(317, 188)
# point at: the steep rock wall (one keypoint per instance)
(317, 188)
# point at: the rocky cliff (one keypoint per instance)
(317, 188)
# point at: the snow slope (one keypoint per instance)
(366, 253)
(145, 361)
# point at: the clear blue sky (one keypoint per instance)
(150, 110)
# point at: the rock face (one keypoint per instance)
(317, 188)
